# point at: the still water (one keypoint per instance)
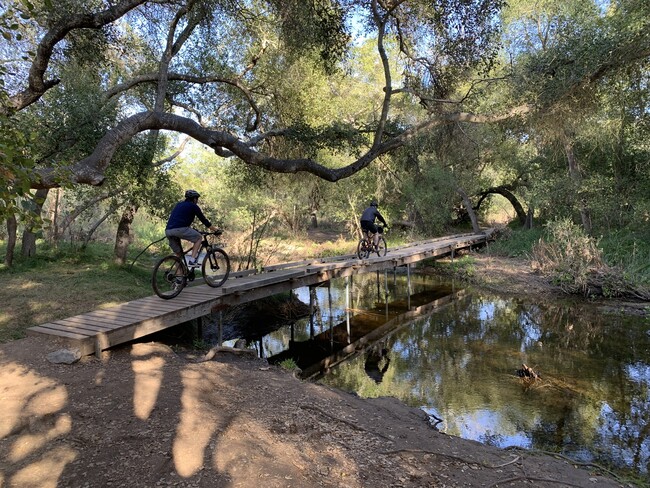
(454, 353)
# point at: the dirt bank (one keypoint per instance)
(516, 277)
(146, 416)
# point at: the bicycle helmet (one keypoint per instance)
(374, 203)
(191, 194)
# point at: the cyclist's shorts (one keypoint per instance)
(175, 235)
(367, 225)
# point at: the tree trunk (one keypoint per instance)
(529, 218)
(576, 177)
(505, 192)
(12, 225)
(54, 216)
(470, 210)
(28, 248)
(72, 216)
(123, 237)
(95, 226)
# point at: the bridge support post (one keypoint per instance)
(312, 299)
(347, 306)
(386, 290)
(408, 286)
(329, 310)
(378, 287)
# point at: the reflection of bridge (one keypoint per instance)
(360, 331)
(101, 329)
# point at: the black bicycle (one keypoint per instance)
(367, 246)
(171, 273)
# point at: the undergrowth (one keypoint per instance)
(577, 264)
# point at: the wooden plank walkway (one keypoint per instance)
(99, 330)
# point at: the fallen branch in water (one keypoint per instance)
(527, 372)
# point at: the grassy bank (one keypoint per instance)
(65, 281)
(62, 282)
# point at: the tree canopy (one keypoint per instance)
(328, 87)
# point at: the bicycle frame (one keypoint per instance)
(171, 273)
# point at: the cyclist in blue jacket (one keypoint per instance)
(368, 221)
(179, 226)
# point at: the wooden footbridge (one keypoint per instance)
(99, 330)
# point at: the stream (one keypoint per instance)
(458, 354)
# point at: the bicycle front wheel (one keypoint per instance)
(381, 247)
(363, 249)
(216, 267)
(169, 277)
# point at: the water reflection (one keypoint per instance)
(454, 354)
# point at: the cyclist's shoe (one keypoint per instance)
(177, 283)
(193, 263)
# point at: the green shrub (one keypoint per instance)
(515, 242)
(576, 263)
(289, 364)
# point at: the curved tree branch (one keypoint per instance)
(90, 170)
(37, 84)
(153, 77)
(381, 30)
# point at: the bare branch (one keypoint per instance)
(173, 156)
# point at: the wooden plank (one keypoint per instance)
(265, 280)
(294, 264)
(107, 322)
(330, 266)
(133, 313)
(103, 323)
(79, 324)
(204, 291)
(146, 327)
(241, 274)
(57, 330)
(343, 257)
(160, 304)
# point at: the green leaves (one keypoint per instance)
(15, 181)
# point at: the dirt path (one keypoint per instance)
(147, 416)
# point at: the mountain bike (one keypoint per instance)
(366, 245)
(172, 273)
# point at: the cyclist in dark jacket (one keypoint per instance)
(179, 226)
(368, 221)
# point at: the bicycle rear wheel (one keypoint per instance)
(363, 249)
(381, 247)
(216, 267)
(169, 277)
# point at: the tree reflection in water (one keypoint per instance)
(458, 363)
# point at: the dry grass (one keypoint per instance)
(576, 264)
